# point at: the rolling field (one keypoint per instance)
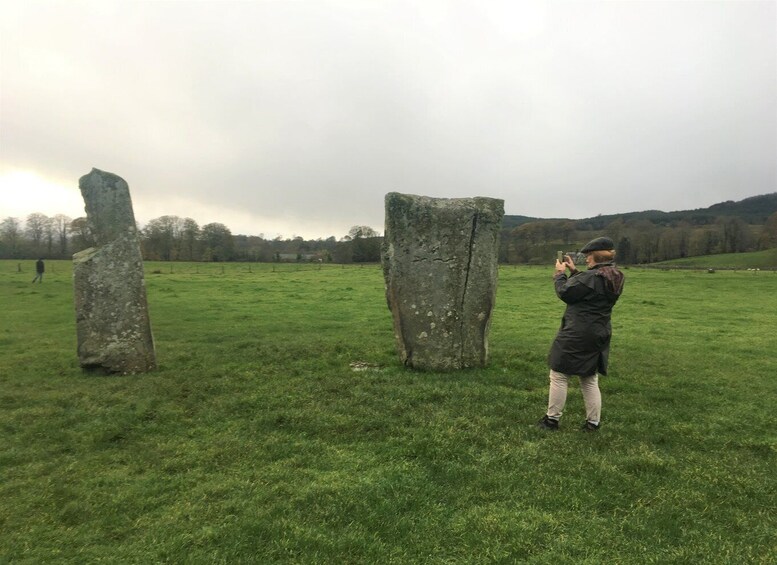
(280, 427)
(766, 259)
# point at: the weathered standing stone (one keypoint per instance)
(112, 322)
(440, 266)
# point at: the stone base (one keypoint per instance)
(112, 322)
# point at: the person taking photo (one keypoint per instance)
(582, 344)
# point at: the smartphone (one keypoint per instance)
(560, 256)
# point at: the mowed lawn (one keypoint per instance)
(258, 441)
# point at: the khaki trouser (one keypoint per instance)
(557, 397)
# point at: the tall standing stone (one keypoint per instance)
(440, 267)
(112, 322)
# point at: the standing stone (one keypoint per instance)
(440, 266)
(112, 322)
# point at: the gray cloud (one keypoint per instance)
(311, 111)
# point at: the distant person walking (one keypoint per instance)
(39, 270)
(582, 344)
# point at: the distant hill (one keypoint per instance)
(766, 259)
(510, 222)
(753, 210)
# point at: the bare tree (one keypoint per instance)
(36, 228)
(48, 235)
(61, 224)
(162, 237)
(704, 241)
(364, 244)
(190, 234)
(645, 240)
(768, 237)
(82, 237)
(217, 242)
(10, 234)
(736, 235)
(361, 231)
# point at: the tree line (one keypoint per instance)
(171, 238)
(638, 240)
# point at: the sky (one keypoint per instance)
(296, 117)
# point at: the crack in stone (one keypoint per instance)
(466, 282)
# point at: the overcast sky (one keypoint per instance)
(297, 117)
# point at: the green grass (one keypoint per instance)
(256, 442)
(766, 259)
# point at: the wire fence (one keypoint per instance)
(65, 267)
(162, 268)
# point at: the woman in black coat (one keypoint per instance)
(582, 344)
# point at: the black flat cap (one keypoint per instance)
(598, 244)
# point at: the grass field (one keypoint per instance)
(766, 259)
(257, 442)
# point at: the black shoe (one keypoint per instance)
(589, 427)
(547, 423)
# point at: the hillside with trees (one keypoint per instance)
(641, 237)
(649, 236)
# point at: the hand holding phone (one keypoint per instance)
(561, 267)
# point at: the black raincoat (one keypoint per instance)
(582, 345)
